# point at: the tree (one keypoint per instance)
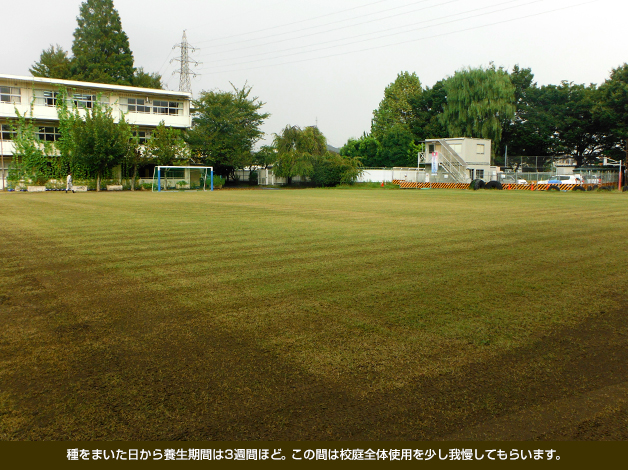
(426, 108)
(94, 142)
(296, 150)
(577, 132)
(612, 110)
(166, 147)
(101, 52)
(34, 159)
(332, 169)
(53, 63)
(225, 128)
(145, 79)
(101, 48)
(265, 156)
(478, 102)
(366, 148)
(398, 148)
(395, 110)
(528, 132)
(134, 154)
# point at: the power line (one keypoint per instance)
(334, 29)
(297, 22)
(381, 31)
(412, 40)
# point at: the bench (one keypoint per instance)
(114, 187)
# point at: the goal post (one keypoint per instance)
(173, 178)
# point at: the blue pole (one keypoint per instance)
(212, 179)
(158, 179)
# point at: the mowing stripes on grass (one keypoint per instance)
(352, 288)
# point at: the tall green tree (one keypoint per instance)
(395, 110)
(225, 127)
(426, 108)
(101, 48)
(166, 146)
(367, 148)
(101, 52)
(92, 139)
(145, 79)
(34, 160)
(53, 63)
(612, 111)
(479, 101)
(297, 150)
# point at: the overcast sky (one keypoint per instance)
(329, 61)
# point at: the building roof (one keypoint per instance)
(98, 86)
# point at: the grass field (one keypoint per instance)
(313, 314)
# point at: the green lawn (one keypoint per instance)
(305, 314)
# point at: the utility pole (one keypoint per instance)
(185, 74)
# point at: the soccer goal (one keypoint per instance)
(180, 178)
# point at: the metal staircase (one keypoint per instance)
(452, 163)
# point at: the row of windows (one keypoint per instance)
(142, 105)
(83, 100)
(478, 174)
(86, 100)
(46, 133)
(51, 134)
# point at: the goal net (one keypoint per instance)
(181, 178)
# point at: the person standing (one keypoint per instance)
(68, 186)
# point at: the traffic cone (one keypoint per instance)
(382, 184)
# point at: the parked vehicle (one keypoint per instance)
(564, 179)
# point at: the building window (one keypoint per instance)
(7, 131)
(457, 148)
(49, 134)
(471, 173)
(9, 94)
(136, 105)
(46, 98)
(142, 135)
(480, 149)
(83, 100)
(479, 174)
(166, 107)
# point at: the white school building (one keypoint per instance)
(142, 107)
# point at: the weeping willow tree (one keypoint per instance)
(479, 101)
(296, 151)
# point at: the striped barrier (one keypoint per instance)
(412, 185)
(532, 186)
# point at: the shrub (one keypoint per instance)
(40, 179)
(219, 182)
(253, 177)
(332, 169)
